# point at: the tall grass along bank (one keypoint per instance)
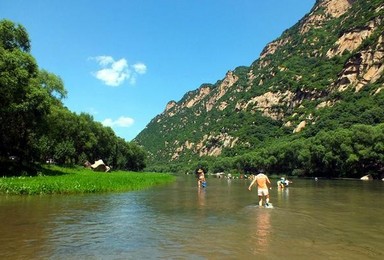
(58, 180)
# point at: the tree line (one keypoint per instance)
(352, 153)
(342, 153)
(35, 126)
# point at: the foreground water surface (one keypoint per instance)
(327, 219)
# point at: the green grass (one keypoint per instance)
(59, 180)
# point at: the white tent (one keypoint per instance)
(100, 166)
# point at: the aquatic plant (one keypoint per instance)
(59, 180)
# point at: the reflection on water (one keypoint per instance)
(260, 228)
(310, 220)
(201, 196)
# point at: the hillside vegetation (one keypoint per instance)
(312, 104)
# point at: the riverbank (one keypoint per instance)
(60, 180)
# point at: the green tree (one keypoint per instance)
(23, 104)
(52, 83)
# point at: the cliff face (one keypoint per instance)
(337, 47)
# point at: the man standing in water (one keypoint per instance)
(201, 182)
(262, 187)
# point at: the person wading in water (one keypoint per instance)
(201, 182)
(262, 187)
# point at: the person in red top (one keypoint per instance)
(262, 187)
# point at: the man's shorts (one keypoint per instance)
(262, 192)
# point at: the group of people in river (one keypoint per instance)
(262, 181)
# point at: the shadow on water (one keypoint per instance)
(316, 220)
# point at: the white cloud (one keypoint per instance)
(120, 122)
(104, 60)
(140, 68)
(114, 73)
(107, 122)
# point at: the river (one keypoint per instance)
(324, 219)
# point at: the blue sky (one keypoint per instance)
(123, 60)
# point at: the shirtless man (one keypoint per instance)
(201, 182)
(262, 187)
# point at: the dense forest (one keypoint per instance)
(35, 126)
(311, 105)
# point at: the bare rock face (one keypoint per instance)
(349, 42)
(229, 80)
(363, 68)
(300, 127)
(337, 8)
(266, 102)
(196, 98)
(332, 9)
(170, 105)
(271, 49)
(315, 19)
(367, 65)
(209, 145)
(204, 91)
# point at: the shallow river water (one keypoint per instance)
(327, 219)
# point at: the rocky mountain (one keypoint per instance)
(324, 73)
